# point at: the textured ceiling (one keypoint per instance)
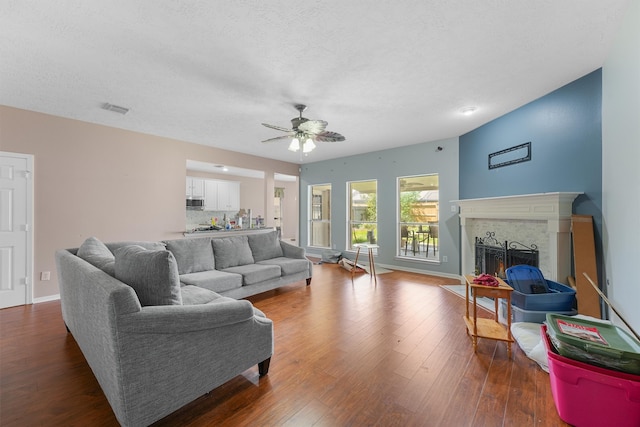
(383, 73)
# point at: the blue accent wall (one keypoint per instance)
(565, 130)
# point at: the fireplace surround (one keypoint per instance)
(543, 219)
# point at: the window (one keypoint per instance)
(418, 207)
(363, 217)
(320, 215)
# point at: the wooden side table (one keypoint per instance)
(488, 328)
(372, 267)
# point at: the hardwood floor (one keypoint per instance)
(346, 354)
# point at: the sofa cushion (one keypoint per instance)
(152, 274)
(288, 265)
(255, 273)
(97, 254)
(231, 251)
(214, 280)
(265, 246)
(192, 255)
(193, 295)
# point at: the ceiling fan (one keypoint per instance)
(308, 131)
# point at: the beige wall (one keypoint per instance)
(92, 180)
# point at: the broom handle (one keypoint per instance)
(609, 304)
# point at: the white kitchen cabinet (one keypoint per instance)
(210, 195)
(228, 196)
(195, 187)
(221, 195)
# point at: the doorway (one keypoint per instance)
(277, 210)
(16, 229)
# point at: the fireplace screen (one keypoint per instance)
(494, 257)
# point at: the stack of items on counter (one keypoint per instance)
(594, 371)
(534, 296)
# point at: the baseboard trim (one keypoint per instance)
(425, 272)
(46, 299)
(313, 252)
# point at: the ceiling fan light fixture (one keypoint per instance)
(308, 146)
(304, 133)
(295, 145)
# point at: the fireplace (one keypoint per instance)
(543, 220)
(494, 257)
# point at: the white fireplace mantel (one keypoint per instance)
(555, 209)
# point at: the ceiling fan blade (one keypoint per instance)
(313, 126)
(329, 137)
(278, 128)
(278, 138)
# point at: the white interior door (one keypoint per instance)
(16, 225)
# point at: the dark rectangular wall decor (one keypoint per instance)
(516, 154)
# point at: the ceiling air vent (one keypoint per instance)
(115, 108)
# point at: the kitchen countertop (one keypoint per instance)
(222, 233)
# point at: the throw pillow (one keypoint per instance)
(265, 246)
(231, 251)
(152, 274)
(97, 254)
(192, 255)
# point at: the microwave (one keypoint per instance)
(195, 204)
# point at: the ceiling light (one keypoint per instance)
(308, 146)
(295, 145)
(467, 111)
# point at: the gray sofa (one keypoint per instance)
(240, 266)
(156, 343)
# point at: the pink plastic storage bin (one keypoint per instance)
(587, 395)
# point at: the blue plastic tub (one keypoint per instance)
(527, 279)
(559, 298)
(531, 316)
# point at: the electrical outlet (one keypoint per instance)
(45, 275)
(445, 258)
